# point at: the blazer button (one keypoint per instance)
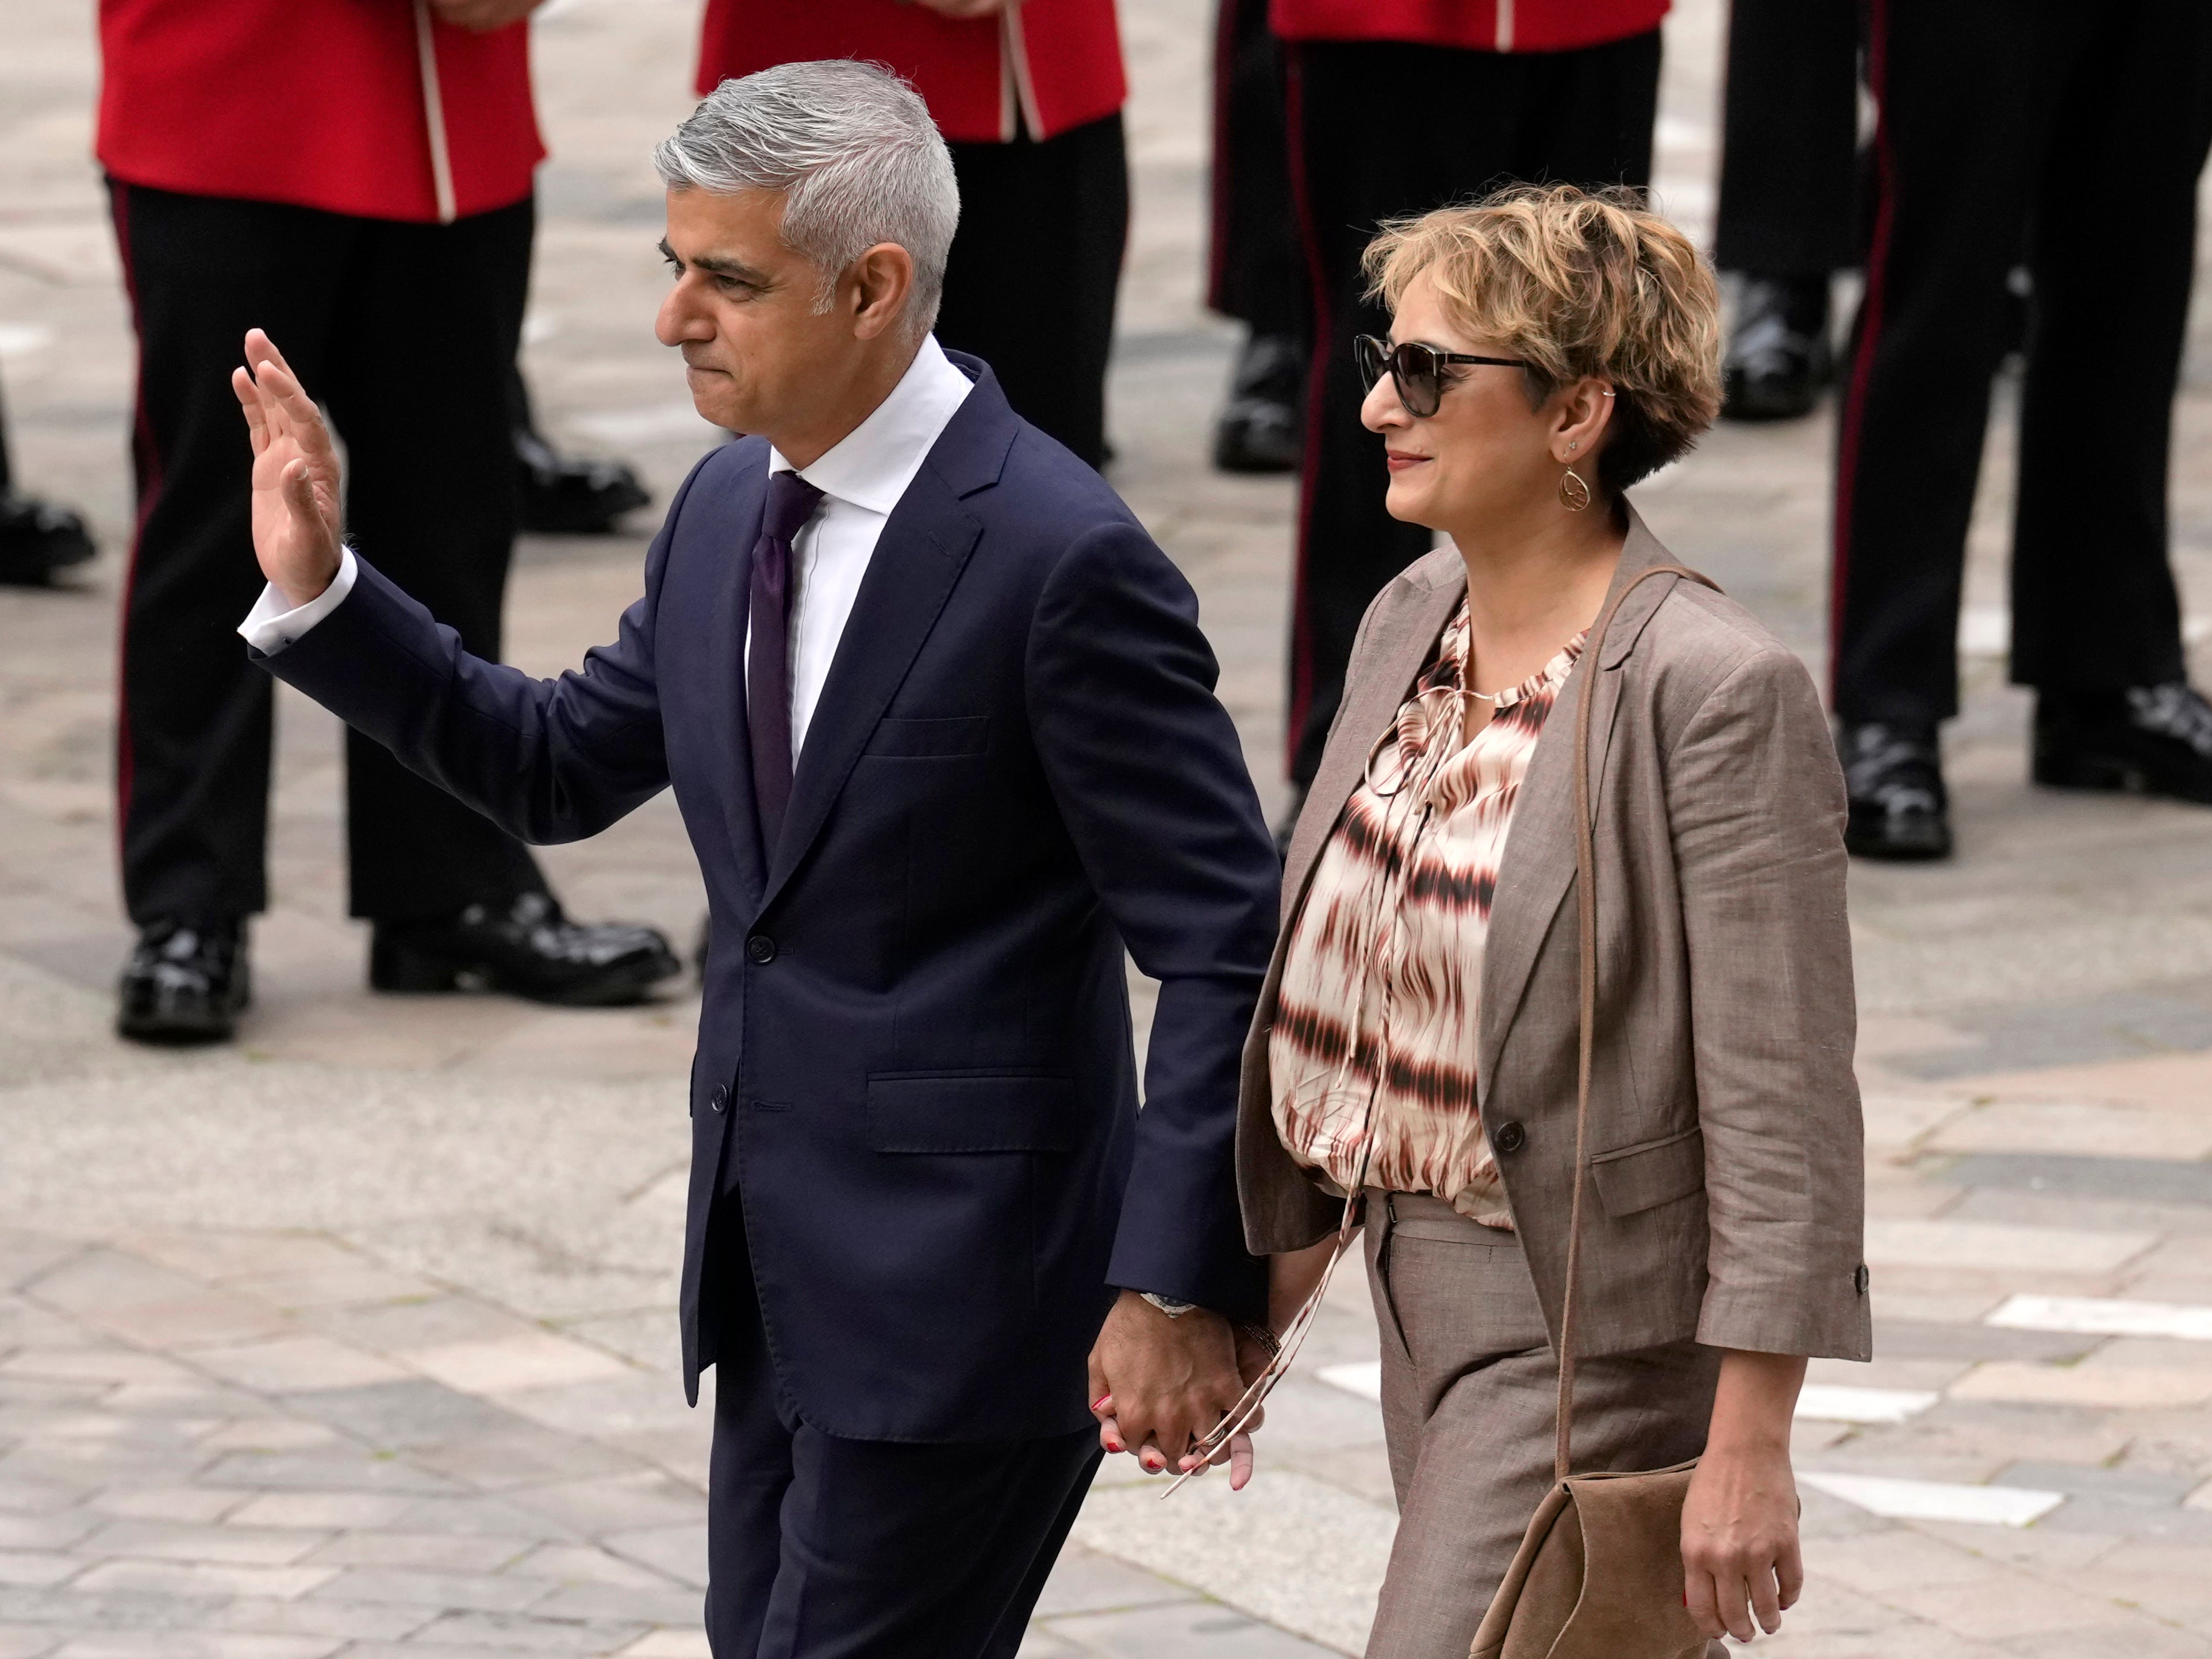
(760, 949)
(719, 1099)
(1509, 1138)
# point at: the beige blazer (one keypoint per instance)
(1724, 1115)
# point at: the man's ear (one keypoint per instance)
(876, 286)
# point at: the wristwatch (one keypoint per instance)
(1168, 1305)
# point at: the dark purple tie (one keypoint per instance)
(791, 502)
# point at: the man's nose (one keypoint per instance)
(680, 319)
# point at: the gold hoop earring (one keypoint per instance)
(1574, 493)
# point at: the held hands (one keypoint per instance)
(1157, 1384)
(296, 475)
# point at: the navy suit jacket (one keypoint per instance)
(915, 1090)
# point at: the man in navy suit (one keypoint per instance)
(920, 1182)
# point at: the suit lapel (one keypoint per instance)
(727, 695)
(1538, 865)
(924, 547)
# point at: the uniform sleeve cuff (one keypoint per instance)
(270, 626)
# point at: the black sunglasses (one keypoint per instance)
(1417, 371)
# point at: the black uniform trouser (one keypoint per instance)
(1256, 267)
(406, 332)
(821, 1547)
(2085, 128)
(1790, 138)
(1030, 283)
(1379, 130)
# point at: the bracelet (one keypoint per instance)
(1260, 1334)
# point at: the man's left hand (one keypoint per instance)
(483, 17)
(1170, 1381)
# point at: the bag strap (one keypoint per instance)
(1586, 1018)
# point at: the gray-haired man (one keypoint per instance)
(918, 1174)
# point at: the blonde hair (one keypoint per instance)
(1576, 283)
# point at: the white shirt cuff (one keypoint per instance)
(270, 626)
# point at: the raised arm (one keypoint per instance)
(547, 760)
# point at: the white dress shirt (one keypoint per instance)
(862, 478)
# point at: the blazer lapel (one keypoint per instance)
(1538, 865)
(1400, 640)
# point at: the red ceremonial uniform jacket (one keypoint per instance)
(317, 103)
(1040, 67)
(1485, 24)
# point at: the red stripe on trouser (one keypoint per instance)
(150, 489)
(1300, 701)
(1867, 336)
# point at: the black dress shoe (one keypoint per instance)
(1778, 357)
(1261, 429)
(38, 538)
(529, 949)
(186, 982)
(562, 495)
(2149, 739)
(1893, 777)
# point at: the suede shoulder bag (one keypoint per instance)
(1599, 1572)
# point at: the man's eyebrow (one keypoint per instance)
(720, 264)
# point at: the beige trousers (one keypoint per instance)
(1469, 1387)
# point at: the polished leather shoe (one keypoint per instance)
(1778, 357)
(1893, 779)
(1261, 429)
(564, 495)
(528, 948)
(38, 538)
(186, 982)
(2149, 739)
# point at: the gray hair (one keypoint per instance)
(852, 149)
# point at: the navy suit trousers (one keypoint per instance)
(824, 1548)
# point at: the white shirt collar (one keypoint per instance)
(871, 465)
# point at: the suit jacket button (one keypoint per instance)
(719, 1099)
(760, 949)
(1859, 1279)
(1509, 1138)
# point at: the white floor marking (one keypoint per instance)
(1831, 1402)
(1936, 1500)
(1365, 1379)
(2095, 1315)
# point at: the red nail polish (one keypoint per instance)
(1114, 1446)
(1100, 1402)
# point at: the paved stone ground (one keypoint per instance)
(356, 1339)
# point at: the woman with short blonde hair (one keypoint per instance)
(1417, 1059)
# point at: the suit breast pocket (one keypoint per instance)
(931, 739)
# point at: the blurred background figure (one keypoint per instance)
(1256, 270)
(563, 495)
(1788, 220)
(36, 536)
(1028, 94)
(2078, 133)
(1397, 106)
(382, 230)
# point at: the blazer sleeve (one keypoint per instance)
(1756, 804)
(1146, 769)
(546, 760)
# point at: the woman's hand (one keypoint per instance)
(1740, 1556)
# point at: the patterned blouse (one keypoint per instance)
(1374, 1030)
